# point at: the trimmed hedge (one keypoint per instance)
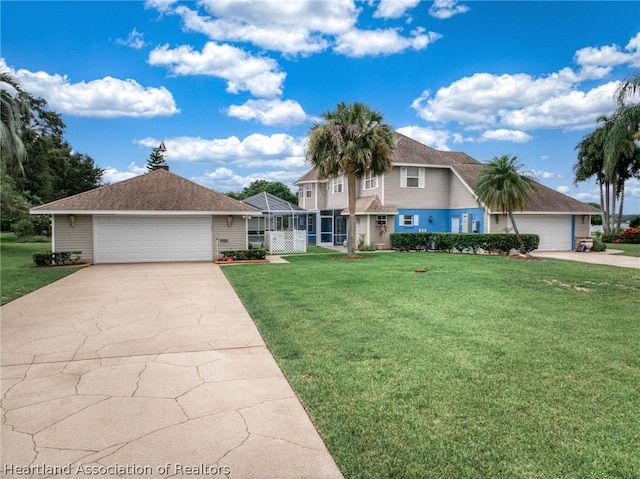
(501, 243)
(244, 254)
(56, 259)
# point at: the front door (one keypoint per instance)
(326, 230)
(340, 230)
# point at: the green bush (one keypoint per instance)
(635, 222)
(598, 246)
(24, 227)
(56, 259)
(500, 242)
(244, 254)
(610, 237)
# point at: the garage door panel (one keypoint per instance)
(555, 231)
(151, 239)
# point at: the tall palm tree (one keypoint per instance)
(502, 187)
(352, 141)
(11, 110)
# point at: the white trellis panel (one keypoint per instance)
(284, 242)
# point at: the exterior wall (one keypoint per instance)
(459, 194)
(76, 238)
(227, 237)
(582, 226)
(335, 201)
(368, 226)
(436, 220)
(315, 201)
(435, 193)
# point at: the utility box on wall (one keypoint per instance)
(466, 223)
(475, 226)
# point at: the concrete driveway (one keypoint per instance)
(151, 370)
(608, 257)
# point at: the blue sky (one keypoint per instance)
(233, 87)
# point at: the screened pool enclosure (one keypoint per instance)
(282, 227)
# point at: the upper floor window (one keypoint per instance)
(338, 184)
(370, 181)
(411, 177)
(307, 190)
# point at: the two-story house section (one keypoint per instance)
(431, 190)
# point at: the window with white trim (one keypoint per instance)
(409, 220)
(411, 177)
(370, 181)
(381, 220)
(338, 184)
(308, 189)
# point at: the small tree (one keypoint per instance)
(156, 157)
(502, 187)
(351, 141)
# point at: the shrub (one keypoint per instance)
(501, 242)
(630, 235)
(635, 222)
(23, 228)
(244, 254)
(367, 247)
(598, 246)
(56, 259)
(610, 237)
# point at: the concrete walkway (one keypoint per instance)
(147, 370)
(605, 257)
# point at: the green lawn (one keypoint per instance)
(627, 249)
(481, 367)
(18, 276)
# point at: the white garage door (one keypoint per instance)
(555, 231)
(137, 239)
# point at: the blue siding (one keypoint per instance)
(436, 220)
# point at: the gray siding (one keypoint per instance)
(370, 230)
(459, 195)
(76, 238)
(435, 193)
(582, 225)
(229, 238)
(336, 201)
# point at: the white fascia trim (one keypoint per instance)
(422, 165)
(145, 213)
(550, 213)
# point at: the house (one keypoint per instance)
(158, 216)
(431, 190)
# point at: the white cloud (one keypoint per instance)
(597, 62)
(443, 9)
(563, 189)
(331, 17)
(545, 175)
(394, 8)
(293, 40)
(360, 43)
(254, 151)
(503, 134)
(134, 40)
(243, 72)
(269, 112)
(434, 138)
(225, 179)
(112, 175)
(103, 98)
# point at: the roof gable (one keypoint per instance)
(158, 190)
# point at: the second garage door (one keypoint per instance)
(555, 231)
(137, 239)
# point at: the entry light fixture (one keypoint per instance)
(430, 219)
(229, 221)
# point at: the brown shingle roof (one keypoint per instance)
(544, 199)
(158, 190)
(371, 204)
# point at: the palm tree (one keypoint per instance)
(352, 141)
(11, 110)
(503, 188)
